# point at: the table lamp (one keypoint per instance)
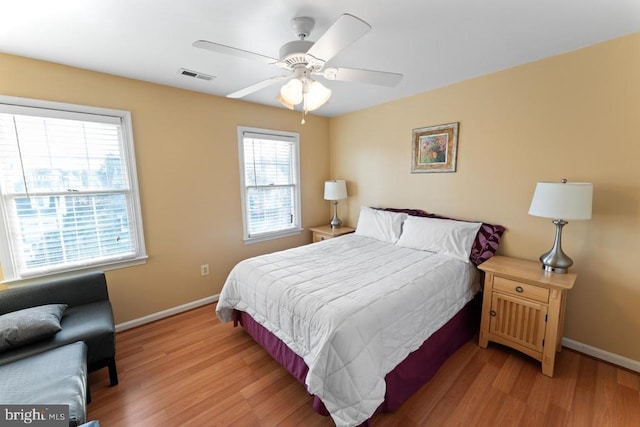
(335, 190)
(561, 201)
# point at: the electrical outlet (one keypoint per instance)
(204, 269)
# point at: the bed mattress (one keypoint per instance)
(352, 308)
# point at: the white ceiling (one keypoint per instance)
(431, 42)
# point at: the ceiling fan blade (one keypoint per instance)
(228, 50)
(381, 78)
(342, 33)
(256, 87)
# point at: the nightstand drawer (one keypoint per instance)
(520, 289)
(320, 237)
(326, 232)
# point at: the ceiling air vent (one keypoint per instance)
(195, 74)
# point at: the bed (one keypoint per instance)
(355, 318)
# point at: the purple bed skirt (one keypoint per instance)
(407, 378)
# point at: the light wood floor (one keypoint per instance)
(191, 370)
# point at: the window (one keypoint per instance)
(270, 176)
(68, 188)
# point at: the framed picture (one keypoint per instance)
(434, 149)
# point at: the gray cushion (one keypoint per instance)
(29, 325)
(55, 377)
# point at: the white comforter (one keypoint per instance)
(353, 308)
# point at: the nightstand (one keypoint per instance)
(523, 307)
(325, 232)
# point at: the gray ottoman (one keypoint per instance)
(54, 377)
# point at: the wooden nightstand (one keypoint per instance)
(523, 308)
(325, 232)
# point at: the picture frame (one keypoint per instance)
(434, 148)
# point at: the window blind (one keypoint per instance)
(67, 195)
(270, 183)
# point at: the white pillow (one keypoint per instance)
(442, 236)
(381, 225)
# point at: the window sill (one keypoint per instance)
(72, 271)
(270, 236)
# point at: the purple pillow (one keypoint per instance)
(485, 244)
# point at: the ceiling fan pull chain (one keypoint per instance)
(304, 113)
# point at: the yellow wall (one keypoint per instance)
(188, 171)
(572, 116)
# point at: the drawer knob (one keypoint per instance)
(519, 289)
(493, 313)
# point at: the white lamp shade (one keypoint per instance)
(570, 200)
(316, 96)
(282, 101)
(335, 190)
(292, 92)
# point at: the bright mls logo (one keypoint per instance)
(34, 415)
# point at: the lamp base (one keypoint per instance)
(335, 221)
(552, 269)
(556, 261)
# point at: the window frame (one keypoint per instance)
(52, 109)
(278, 135)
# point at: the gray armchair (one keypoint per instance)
(88, 318)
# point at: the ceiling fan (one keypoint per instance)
(304, 59)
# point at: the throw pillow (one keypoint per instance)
(29, 325)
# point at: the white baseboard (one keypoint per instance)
(166, 313)
(616, 359)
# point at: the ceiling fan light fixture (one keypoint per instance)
(291, 93)
(315, 96)
(284, 103)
